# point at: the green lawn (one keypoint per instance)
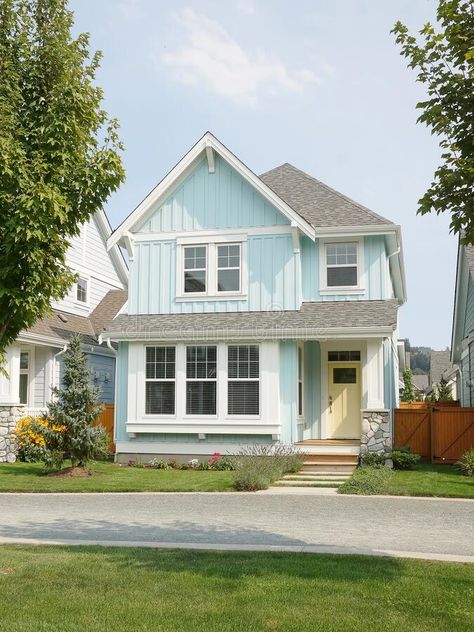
(29, 477)
(431, 480)
(71, 589)
(425, 480)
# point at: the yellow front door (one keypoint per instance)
(344, 400)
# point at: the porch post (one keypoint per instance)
(376, 432)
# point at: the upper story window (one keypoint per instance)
(341, 268)
(195, 269)
(341, 265)
(228, 268)
(211, 271)
(82, 290)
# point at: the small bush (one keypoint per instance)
(251, 480)
(367, 481)
(221, 463)
(36, 438)
(260, 465)
(161, 464)
(372, 459)
(404, 459)
(466, 463)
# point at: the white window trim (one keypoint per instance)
(86, 278)
(30, 390)
(194, 295)
(211, 293)
(201, 379)
(164, 379)
(300, 378)
(326, 290)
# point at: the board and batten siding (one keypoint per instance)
(375, 268)
(212, 200)
(273, 279)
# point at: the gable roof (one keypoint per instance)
(439, 363)
(206, 145)
(317, 202)
(313, 320)
(58, 327)
(115, 254)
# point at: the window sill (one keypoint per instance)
(341, 290)
(209, 297)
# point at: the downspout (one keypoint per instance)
(56, 355)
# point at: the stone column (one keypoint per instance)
(9, 416)
(376, 432)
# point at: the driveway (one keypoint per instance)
(406, 527)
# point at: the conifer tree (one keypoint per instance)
(408, 390)
(75, 407)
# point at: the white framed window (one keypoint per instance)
(82, 290)
(160, 380)
(216, 270)
(195, 269)
(243, 380)
(228, 268)
(201, 380)
(341, 267)
(24, 377)
(300, 381)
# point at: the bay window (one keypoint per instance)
(160, 380)
(243, 374)
(201, 380)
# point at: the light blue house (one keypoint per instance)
(260, 309)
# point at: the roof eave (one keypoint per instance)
(290, 333)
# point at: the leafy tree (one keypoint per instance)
(59, 155)
(74, 409)
(444, 61)
(408, 389)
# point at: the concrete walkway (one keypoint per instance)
(275, 520)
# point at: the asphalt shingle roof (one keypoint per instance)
(316, 202)
(61, 325)
(440, 361)
(316, 319)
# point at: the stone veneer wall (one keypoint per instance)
(376, 434)
(9, 415)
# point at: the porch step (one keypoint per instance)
(320, 476)
(348, 459)
(334, 468)
(308, 479)
(283, 483)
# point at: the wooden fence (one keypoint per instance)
(438, 434)
(106, 419)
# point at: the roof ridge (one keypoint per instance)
(328, 188)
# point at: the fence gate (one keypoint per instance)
(106, 419)
(452, 433)
(439, 434)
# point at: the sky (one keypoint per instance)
(317, 83)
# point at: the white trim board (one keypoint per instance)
(183, 167)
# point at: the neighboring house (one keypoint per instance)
(440, 366)
(462, 342)
(260, 309)
(421, 383)
(34, 362)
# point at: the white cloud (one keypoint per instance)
(210, 57)
(246, 7)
